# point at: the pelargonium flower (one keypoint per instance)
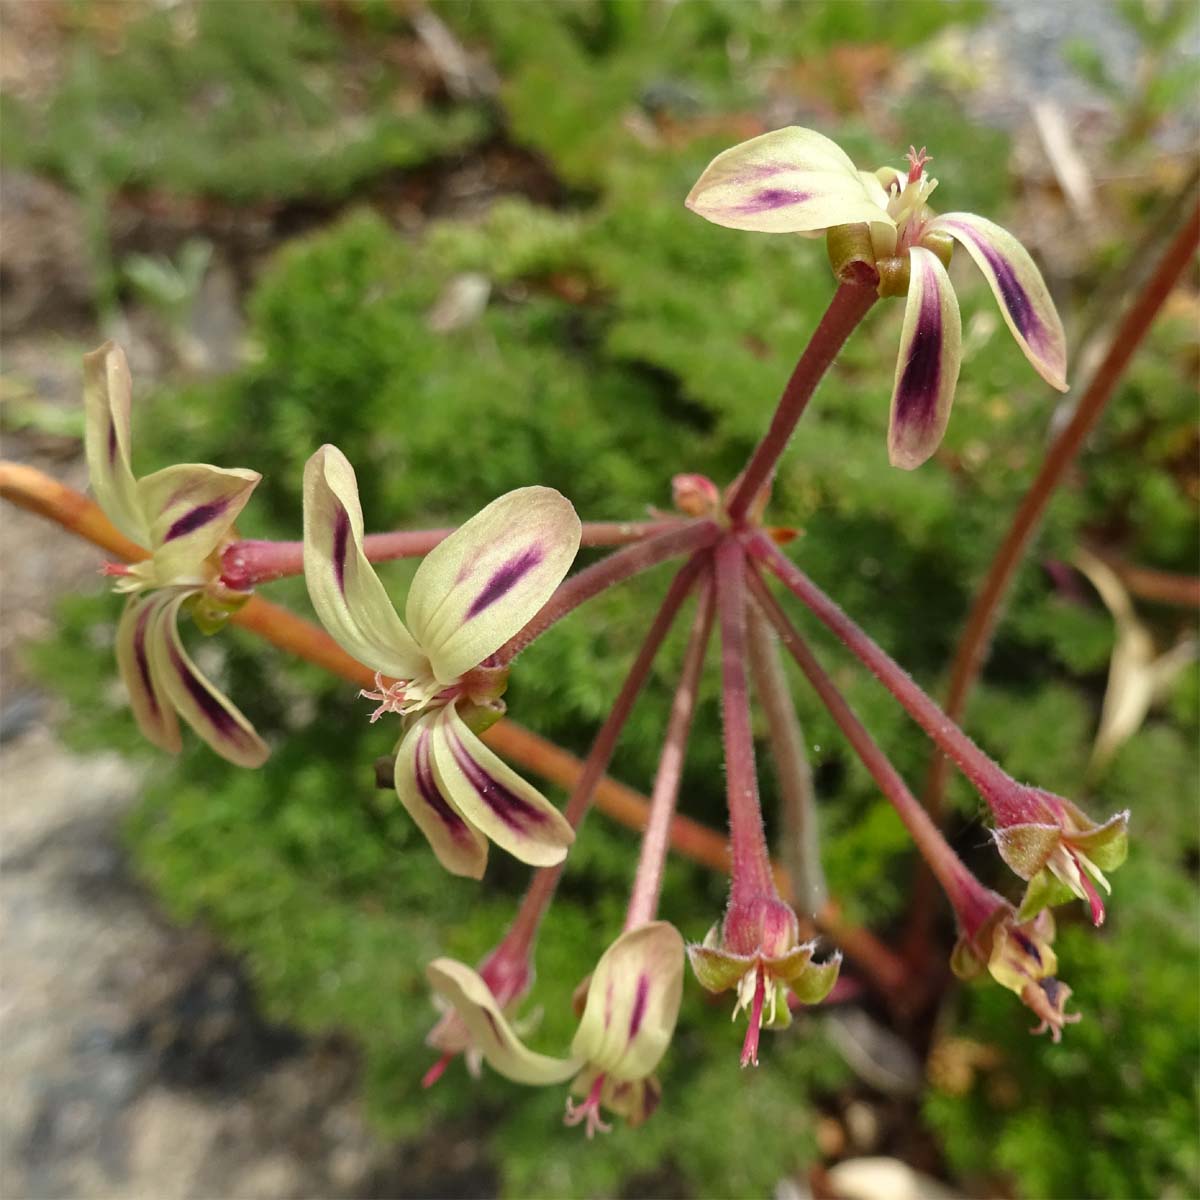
(471, 593)
(181, 515)
(798, 181)
(1058, 849)
(757, 950)
(1018, 955)
(628, 1020)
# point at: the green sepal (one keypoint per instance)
(1045, 890)
(1027, 848)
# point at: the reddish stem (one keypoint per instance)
(246, 564)
(849, 305)
(986, 775)
(656, 841)
(972, 649)
(683, 538)
(752, 876)
(541, 889)
(960, 885)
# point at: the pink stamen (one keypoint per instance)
(436, 1071)
(391, 697)
(588, 1111)
(115, 569)
(916, 163)
(1093, 896)
(750, 1045)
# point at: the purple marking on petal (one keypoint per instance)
(518, 814)
(200, 516)
(608, 1004)
(112, 442)
(505, 579)
(771, 198)
(142, 659)
(916, 397)
(341, 538)
(1014, 296)
(1027, 945)
(216, 713)
(639, 1005)
(431, 794)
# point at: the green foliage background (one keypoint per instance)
(626, 340)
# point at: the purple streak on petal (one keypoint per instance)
(341, 538)
(639, 1005)
(141, 658)
(916, 397)
(518, 814)
(112, 442)
(770, 198)
(1015, 298)
(505, 579)
(608, 1004)
(430, 793)
(216, 713)
(200, 516)
(1027, 945)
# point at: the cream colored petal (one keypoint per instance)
(490, 1030)
(788, 181)
(147, 697)
(927, 364)
(459, 846)
(212, 715)
(345, 591)
(190, 509)
(1019, 289)
(633, 1002)
(477, 588)
(107, 399)
(493, 798)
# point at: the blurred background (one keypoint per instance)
(451, 239)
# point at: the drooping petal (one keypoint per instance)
(493, 798)
(1027, 847)
(928, 362)
(459, 846)
(490, 1030)
(474, 590)
(107, 398)
(345, 591)
(788, 181)
(633, 1002)
(147, 697)
(1019, 289)
(212, 715)
(190, 509)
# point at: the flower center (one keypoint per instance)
(588, 1112)
(907, 199)
(402, 696)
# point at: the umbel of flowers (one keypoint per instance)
(486, 590)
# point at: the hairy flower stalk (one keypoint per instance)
(510, 961)
(991, 935)
(800, 841)
(246, 564)
(1045, 838)
(756, 949)
(181, 516)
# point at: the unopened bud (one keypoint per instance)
(695, 495)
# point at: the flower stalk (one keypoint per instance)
(656, 840)
(851, 302)
(247, 564)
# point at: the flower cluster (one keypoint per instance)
(485, 590)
